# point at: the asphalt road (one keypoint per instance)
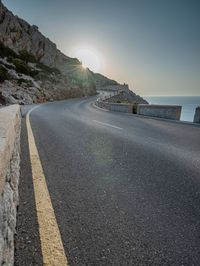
(125, 189)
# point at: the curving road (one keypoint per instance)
(125, 189)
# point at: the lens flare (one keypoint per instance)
(89, 59)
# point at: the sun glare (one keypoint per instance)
(89, 59)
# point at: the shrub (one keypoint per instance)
(47, 69)
(5, 51)
(34, 73)
(3, 74)
(42, 76)
(9, 66)
(21, 66)
(27, 82)
(26, 56)
(10, 59)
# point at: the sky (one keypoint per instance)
(153, 45)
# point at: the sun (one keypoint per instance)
(88, 58)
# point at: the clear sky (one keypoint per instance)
(153, 45)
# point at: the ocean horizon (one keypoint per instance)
(188, 103)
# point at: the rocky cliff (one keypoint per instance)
(18, 35)
(24, 80)
(102, 81)
(35, 68)
(32, 69)
(126, 96)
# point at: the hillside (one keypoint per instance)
(126, 97)
(102, 81)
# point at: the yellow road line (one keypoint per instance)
(52, 247)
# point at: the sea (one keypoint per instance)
(188, 103)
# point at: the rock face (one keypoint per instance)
(126, 97)
(102, 81)
(121, 94)
(51, 74)
(28, 83)
(17, 34)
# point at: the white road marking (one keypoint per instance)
(108, 125)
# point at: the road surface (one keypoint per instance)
(125, 189)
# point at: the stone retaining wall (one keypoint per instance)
(121, 107)
(10, 127)
(117, 107)
(163, 111)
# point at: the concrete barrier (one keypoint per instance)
(172, 112)
(10, 126)
(121, 107)
(197, 115)
(102, 104)
(117, 107)
(163, 111)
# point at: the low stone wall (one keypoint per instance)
(10, 126)
(117, 107)
(163, 111)
(121, 107)
(102, 104)
(197, 115)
